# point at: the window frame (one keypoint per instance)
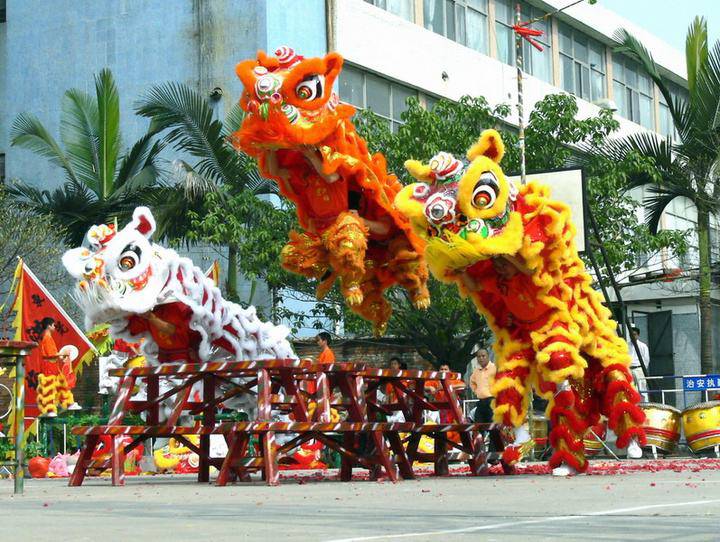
(629, 90)
(529, 52)
(460, 22)
(383, 7)
(394, 121)
(578, 63)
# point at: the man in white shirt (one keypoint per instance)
(635, 367)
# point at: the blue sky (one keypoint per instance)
(669, 19)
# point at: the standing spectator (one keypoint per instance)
(480, 382)
(635, 366)
(394, 363)
(326, 354)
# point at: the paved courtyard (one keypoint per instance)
(664, 505)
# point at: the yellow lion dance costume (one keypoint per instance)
(512, 252)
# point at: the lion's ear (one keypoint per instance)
(418, 170)
(490, 145)
(143, 221)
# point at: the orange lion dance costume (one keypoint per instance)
(512, 252)
(303, 139)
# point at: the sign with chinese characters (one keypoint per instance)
(702, 382)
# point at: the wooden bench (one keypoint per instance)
(239, 434)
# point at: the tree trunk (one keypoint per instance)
(707, 365)
(232, 291)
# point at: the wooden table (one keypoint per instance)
(290, 386)
(13, 354)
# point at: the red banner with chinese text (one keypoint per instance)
(33, 303)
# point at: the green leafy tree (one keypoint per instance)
(100, 184)
(687, 167)
(217, 169)
(33, 238)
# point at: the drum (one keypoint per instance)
(662, 426)
(701, 424)
(593, 442)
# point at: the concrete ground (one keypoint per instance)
(663, 505)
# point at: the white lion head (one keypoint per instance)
(118, 272)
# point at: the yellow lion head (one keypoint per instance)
(464, 211)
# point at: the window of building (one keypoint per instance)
(582, 64)
(666, 126)
(3, 11)
(401, 8)
(632, 91)
(537, 63)
(463, 21)
(367, 90)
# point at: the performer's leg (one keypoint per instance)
(511, 391)
(410, 270)
(559, 364)
(346, 243)
(305, 255)
(618, 397)
(374, 306)
(46, 394)
(64, 395)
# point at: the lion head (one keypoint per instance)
(463, 210)
(289, 99)
(118, 272)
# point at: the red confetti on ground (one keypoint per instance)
(597, 468)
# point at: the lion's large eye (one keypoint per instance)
(129, 258)
(311, 87)
(485, 191)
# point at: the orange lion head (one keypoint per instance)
(289, 100)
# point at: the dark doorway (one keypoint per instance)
(660, 343)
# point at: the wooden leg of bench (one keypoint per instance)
(401, 458)
(346, 464)
(118, 460)
(475, 444)
(383, 455)
(83, 461)
(440, 453)
(270, 467)
(237, 446)
(412, 447)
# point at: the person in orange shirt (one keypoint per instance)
(53, 387)
(326, 354)
(481, 380)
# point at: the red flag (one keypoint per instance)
(213, 273)
(33, 303)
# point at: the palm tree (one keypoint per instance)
(99, 183)
(687, 167)
(190, 128)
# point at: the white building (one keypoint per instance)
(449, 48)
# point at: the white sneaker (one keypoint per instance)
(564, 470)
(634, 451)
(50, 415)
(74, 406)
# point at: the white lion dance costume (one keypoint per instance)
(133, 284)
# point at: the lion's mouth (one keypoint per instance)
(461, 226)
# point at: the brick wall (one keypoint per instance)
(374, 352)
